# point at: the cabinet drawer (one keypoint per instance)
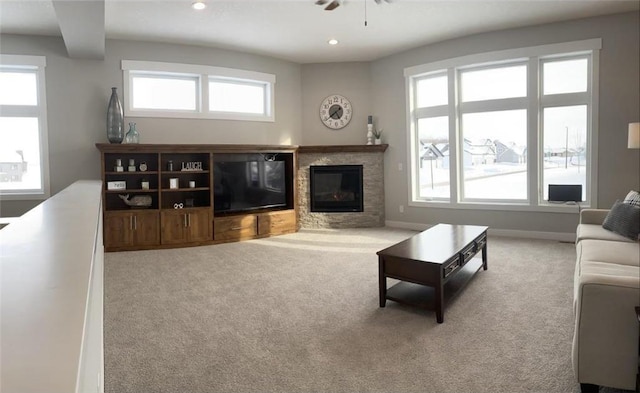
(235, 228)
(451, 267)
(468, 252)
(275, 223)
(481, 242)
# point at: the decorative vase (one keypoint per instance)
(132, 135)
(115, 119)
(378, 141)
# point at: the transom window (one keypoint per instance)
(24, 167)
(497, 129)
(164, 92)
(237, 96)
(155, 89)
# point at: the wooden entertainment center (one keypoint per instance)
(172, 202)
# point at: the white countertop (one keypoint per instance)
(45, 266)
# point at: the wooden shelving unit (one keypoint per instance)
(182, 214)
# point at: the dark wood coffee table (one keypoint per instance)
(432, 266)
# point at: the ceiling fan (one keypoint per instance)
(333, 4)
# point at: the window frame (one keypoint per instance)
(534, 103)
(203, 74)
(487, 106)
(36, 65)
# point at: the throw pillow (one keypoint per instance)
(633, 198)
(623, 219)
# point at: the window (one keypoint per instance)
(493, 83)
(494, 130)
(154, 89)
(433, 139)
(24, 168)
(166, 92)
(494, 165)
(565, 113)
(238, 97)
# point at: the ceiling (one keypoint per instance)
(295, 30)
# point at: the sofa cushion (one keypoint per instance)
(626, 276)
(621, 253)
(632, 198)
(623, 219)
(596, 231)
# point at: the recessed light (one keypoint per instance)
(333, 41)
(198, 5)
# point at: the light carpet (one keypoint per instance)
(300, 313)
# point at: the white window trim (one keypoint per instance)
(532, 54)
(40, 111)
(204, 74)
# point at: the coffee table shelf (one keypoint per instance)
(424, 296)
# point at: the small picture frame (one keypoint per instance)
(117, 185)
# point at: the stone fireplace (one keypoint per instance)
(340, 203)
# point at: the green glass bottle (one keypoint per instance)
(132, 135)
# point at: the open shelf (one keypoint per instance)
(185, 189)
(132, 191)
(131, 173)
(424, 296)
(183, 172)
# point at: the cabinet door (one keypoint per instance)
(173, 224)
(118, 229)
(199, 225)
(146, 228)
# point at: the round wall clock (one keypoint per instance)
(335, 112)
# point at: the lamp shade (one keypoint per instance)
(634, 136)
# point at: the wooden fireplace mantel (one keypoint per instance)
(343, 148)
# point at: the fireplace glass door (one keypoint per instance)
(336, 188)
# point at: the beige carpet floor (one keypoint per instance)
(299, 313)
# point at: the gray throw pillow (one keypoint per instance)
(623, 219)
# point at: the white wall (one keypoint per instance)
(618, 168)
(351, 80)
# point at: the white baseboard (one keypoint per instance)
(558, 236)
(407, 225)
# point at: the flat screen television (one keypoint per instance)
(565, 192)
(248, 185)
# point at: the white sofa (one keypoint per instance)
(606, 292)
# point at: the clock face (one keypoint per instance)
(335, 112)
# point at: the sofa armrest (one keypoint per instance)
(593, 216)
